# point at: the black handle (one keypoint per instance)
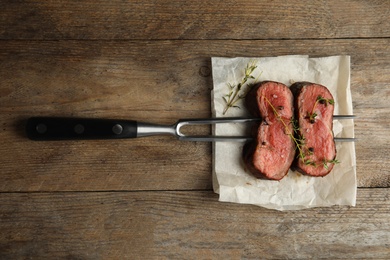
(60, 128)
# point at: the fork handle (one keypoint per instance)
(62, 128)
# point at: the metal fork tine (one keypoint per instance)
(218, 120)
(344, 116)
(344, 139)
(221, 120)
(208, 138)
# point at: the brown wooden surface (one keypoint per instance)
(186, 224)
(150, 61)
(194, 19)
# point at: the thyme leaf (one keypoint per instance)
(333, 161)
(309, 162)
(325, 101)
(312, 115)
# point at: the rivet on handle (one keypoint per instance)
(79, 129)
(41, 128)
(117, 129)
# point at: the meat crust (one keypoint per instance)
(272, 152)
(314, 111)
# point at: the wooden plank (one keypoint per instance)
(186, 225)
(193, 19)
(160, 82)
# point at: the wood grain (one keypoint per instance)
(186, 225)
(150, 61)
(193, 19)
(157, 82)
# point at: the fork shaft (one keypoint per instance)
(146, 129)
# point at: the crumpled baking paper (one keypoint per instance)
(295, 191)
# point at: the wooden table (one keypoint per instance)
(151, 61)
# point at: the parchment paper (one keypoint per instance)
(295, 191)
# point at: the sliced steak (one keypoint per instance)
(270, 155)
(314, 105)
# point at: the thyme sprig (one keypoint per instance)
(312, 115)
(236, 92)
(333, 161)
(299, 139)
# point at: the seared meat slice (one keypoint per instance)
(270, 155)
(314, 106)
